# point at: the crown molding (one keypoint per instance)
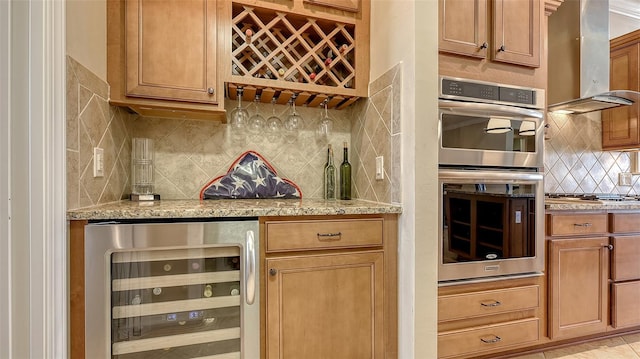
(628, 8)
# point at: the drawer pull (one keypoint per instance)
(329, 236)
(494, 303)
(586, 224)
(493, 340)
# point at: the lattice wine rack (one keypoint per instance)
(279, 54)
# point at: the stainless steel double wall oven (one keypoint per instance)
(491, 180)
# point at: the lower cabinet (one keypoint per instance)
(329, 287)
(625, 270)
(325, 306)
(578, 286)
(480, 319)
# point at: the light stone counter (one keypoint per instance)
(569, 204)
(229, 208)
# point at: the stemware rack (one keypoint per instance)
(276, 53)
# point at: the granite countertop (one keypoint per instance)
(567, 204)
(229, 208)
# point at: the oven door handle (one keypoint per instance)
(487, 109)
(250, 270)
(480, 176)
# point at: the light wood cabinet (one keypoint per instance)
(482, 319)
(314, 51)
(625, 269)
(504, 31)
(620, 129)
(493, 40)
(163, 57)
(329, 287)
(578, 270)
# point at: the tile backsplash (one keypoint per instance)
(92, 122)
(190, 153)
(575, 161)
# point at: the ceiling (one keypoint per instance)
(630, 8)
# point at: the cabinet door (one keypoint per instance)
(578, 292)
(620, 125)
(516, 32)
(171, 50)
(624, 309)
(325, 306)
(463, 27)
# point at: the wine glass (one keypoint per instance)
(256, 122)
(274, 124)
(293, 122)
(325, 127)
(239, 117)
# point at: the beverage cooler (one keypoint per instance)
(172, 290)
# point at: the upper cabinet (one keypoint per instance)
(315, 50)
(515, 30)
(620, 128)
(493, 40)
(162, 57)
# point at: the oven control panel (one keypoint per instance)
(495, 93)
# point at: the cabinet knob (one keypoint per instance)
(273, 271)
(210, 90)
(484, 45)
(501, 48)
(609, 247)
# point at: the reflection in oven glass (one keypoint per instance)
(488, 222)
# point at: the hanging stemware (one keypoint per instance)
(274, 124)
(325, 127)
(256, 122)
(239, 117)
(293, 123)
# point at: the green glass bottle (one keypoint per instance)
(329, 176)
(345, 175)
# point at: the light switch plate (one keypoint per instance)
(380, 167)
(98, 162)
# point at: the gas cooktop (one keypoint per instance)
(594, 196)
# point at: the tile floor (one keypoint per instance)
(624, 347)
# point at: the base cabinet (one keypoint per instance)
(482, 319)
(329, 287)
(325, 306)
(578, 286)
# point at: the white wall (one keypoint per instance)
(5, 264)
(86, 34)
(620, 24)
(406, 31)
(33, 298)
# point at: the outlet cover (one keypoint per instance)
(625, 179)
(98, 162)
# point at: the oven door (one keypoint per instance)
(479, 134)
(491, 223)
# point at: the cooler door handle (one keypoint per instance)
(250, 268)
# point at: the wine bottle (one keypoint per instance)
(345, 175)
(330, 176)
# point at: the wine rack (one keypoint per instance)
(276, 54)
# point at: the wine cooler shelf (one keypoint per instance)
(276, 54)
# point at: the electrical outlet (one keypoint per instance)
(380, 167)
(98, 162)
(625, 179)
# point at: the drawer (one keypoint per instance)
(625, 310)
(625, 258)
(490, 302)
(624, 222)
(490, 338)
(576, 224)
(323, 234)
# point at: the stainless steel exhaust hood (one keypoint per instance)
(579, 59)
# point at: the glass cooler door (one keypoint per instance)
(176, 303)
